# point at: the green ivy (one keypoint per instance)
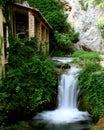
(52, 10)
(65, 41)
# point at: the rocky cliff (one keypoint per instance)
(84, 18)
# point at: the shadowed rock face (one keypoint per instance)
(85, 22)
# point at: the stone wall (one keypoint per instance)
(31, 24)
(2, 57)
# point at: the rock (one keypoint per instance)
(101, 57)
(86, 48)
(100, 124)
(65, 66)
(85, 22)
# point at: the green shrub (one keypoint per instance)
(101, 26)
(86, 56)
(62, 34)
(30, 81)
(19, 126)
(52, 11)
(91, 84)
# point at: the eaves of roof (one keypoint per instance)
(33, 10)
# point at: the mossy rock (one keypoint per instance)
(84, 105)
(100, 124)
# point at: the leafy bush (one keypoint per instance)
(19, 126)
(86, 56)
(101, 26)
(64, 42)
(29, 83)
(51, 9)
(3, 116)
(91, 84)
(62, 34)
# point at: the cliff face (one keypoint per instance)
(84, 18)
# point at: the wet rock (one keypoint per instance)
(65, 66)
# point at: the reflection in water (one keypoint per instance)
(70, 126)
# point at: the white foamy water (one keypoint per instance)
(67, 111)
(62, 59)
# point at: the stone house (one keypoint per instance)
(26, 22)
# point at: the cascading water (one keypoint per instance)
(67, 111)
(68, 89)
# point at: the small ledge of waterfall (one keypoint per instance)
(67, 111)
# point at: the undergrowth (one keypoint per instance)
(91, 82)
(86, 56)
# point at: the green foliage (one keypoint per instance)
(5, 4)
(51, 10)
(91, 84)
(85, 56)
(62, 35)
(8, 2)
(97, 3)
(101, 26)
(94, 1)
(84, 5)
(3, 96)
(64, 42)
(19, 126)
(21, 51)
(30, 80)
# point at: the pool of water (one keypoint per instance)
(37, 125)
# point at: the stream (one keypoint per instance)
(66, 116)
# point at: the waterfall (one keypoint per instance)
(67, 111)
(68, 89)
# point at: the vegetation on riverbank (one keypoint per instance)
(91, 82)
(31, 77)
(29, 83)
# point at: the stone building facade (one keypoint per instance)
(26, 22)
